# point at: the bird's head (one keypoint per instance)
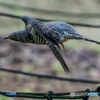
(24, 35)
(18, 36)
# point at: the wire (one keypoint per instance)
(41, 11)
(50, 76)
(50, 95)
(9, 15)
(74, 24)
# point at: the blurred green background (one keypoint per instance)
(82, 57)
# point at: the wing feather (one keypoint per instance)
(53, 48)
(58, 55)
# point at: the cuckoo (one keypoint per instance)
(50, 33)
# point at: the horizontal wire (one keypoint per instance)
(74, 24)
(50, 76)
(41, 11)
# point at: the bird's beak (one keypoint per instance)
(8, 37)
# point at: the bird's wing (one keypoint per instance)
(50, 35)
(48, 32)
(58, 55)
(51, 45)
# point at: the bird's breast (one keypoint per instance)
(37, 39)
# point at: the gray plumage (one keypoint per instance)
(51, 33)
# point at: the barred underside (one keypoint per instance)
(39, 40)
(36, 37)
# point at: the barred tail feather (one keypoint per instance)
(91, 40)
(85, 38)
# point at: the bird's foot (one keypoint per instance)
(63, 44)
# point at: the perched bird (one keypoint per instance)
(51, 33)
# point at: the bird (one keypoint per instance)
(52, 33)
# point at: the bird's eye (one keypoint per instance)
(16, 35)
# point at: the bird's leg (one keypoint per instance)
(63, 44)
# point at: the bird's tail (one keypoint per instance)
(91, 40)
(78, 36)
